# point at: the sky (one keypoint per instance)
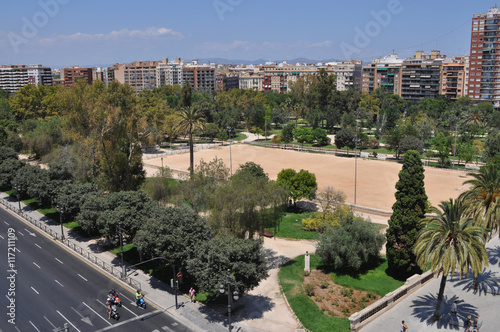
(61, 33)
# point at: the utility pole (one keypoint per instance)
(120, 234)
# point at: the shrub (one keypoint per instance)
(309, 289)
(324, 284)
(374, 143)
(276, 139)
(351, 244)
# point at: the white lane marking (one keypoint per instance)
(6, 223)
(121, 295)
(34, 290)
(36, 328)
(133, 313)
(59, 283)
(38, 246)
(85, 304)
(19, 251)
(20, 233)
(83, 319)
(37, 265)
(129, 320)
(166, 328)
(2, 237)
(60, 261)
(50, 322)
(82, 277)
(68, 321)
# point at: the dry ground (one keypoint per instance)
(376, 179)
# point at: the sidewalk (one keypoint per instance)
(195, 316)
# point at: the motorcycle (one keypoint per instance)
(114, 313)
(114, 297)
(140, 302)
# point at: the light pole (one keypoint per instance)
(356, 159)
(18, 192)
(230, 129)
(61, 212)
(230, 281)
(162, 166)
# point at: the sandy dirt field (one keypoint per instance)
(376, 179)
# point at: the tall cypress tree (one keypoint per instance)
(407, 213)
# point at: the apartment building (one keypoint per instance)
(140, 75)
(200, 77)
(225, 82)
(14, 77)
(169, 73)
(383, 72)
(484, 76)
(453, 82)
(421, 76)
(348, 74)
(71, 76)
(250, 81)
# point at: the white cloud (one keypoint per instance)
(120, 35)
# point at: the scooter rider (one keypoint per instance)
(138, 296)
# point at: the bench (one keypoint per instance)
(267, 233)
(381, 156)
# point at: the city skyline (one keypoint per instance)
(61, 33)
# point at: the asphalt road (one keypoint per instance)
(50, 287)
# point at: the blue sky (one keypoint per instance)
(76, 32)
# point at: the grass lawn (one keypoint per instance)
(239, 137)
(291, 226)
(375, 280)
(291, 280)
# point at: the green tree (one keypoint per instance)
(320, 136)
(252, 169)
(186, 95)
(442, 145)
(345, 137)
(411, 143)
(175, 233)
(211, 130)
(8, 171)
(450, 242)
(245, 259)
(304, 135)
(72, 196)
(492, 146)
(300, 184)
(351, 244)
(190, 119)
(483, 197)
(408, 210)
(287, 133)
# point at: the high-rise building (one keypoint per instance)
(200, 77)
(169, 73)
(140, 75)
(484, 76)
(421, 76)
(71, 76)
(454, 78)
(14, 77)
(384, 73)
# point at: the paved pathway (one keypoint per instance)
(416, 309)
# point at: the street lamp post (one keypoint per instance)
(162, 166)
(230, 129)
(61, 212)
(230, 281)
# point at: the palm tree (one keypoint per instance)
(190, 118)
(483, 198)
(451, 242)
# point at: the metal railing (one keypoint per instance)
(114, 271)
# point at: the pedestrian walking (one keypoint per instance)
(404, 327)
(454, 308)
(192, 294)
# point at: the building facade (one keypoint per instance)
(484, 76)
(383, 72)
(140, 75)
(71, 76)
(14, 77)
(453, 83)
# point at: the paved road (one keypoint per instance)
(53, 287)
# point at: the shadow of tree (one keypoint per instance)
(494, 255)
(488, 282)
(248, 307)
(275, 261)
(424, 307)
